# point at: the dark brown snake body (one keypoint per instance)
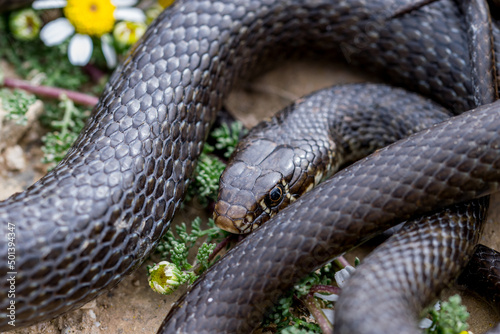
(98, 214)
(281, 159)
(407, 272)
(309, 141)
(370, 195)
(476, 269)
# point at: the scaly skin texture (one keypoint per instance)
(308, 142)
(407, 272)
(335, 127)
(449, 163)
(98, 214)
(482, 275)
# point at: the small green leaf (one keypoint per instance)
(16, 103)
(206, 180)
(32, 59)
(451, 318)
(67, 121)
(227, 137)
(203, 253)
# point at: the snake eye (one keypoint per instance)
(275, 195)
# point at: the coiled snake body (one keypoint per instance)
(282, 158)
(98, 214)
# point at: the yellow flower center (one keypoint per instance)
(91, 17)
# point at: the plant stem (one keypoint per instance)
(196, 269)
(343, 262)
(68, 112)
(324, 289)
(221, 245)
(313, 307)
(51, 92)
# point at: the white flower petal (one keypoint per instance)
(159, 288)
(55, 32)
(329, 314)
(46, 4)
(80, 50)
(130, 14)
(332, 298)
(425, 323)
(124, 3)
(108, 51)
(341, 276)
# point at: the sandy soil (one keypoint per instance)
(132, 307)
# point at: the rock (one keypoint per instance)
(11, 132)
(92, 314)
(89, 305)
(14, 158)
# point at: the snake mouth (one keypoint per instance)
(242, 226)
(239, 220)
(227, 224)
(233, 218)
(236, 226)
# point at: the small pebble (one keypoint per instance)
(67, 330)
(92, 314)
(91, 304)
(14, 158)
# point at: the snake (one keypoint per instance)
(286, 156)
(377, 206)
(406, 273)
(98, 214)
(282, 158)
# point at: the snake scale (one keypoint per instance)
(310, 140)
(282, 158)
(98, 214)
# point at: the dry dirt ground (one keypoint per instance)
(132, 307)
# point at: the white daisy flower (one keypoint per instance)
(165, 277)
(84, 20)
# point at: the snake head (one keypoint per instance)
(254, 186)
